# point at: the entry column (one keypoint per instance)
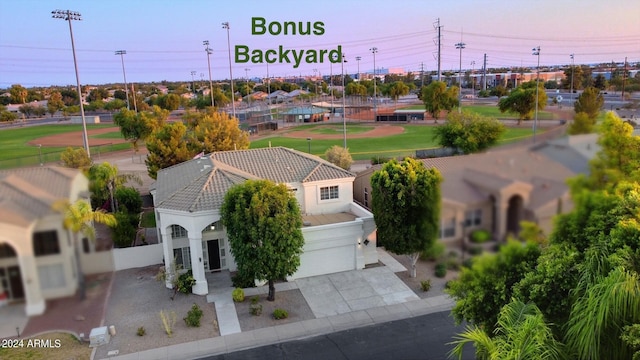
(197, 266)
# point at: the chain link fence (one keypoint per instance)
(49, 157)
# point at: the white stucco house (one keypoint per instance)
(188, 197)
(37, 257)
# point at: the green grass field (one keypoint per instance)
(337, 129)
(17, 152)
(415, 137)
(490, 111)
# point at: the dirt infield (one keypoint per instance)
(75, 138)
(378, 131)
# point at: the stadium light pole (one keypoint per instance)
(344, 105)
(225, 25)
(460, 46)
(536, 52)
(209, 51)
(124, 74)
(358, 58)
(572, 70)
(374, 50)
(69, 15)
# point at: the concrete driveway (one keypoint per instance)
(13, 320)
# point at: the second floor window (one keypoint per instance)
(329, 192)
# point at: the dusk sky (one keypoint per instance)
(163, 39)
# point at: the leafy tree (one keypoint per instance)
(436, 97)
(69, 96)
(78, 219)
(631, 336)
(124, 231)
(469, 132)
(589, 102)
(75, 158)
(120, 94)
(136, 127)
(39, 111)
(55, 103)
(521, 333)
(499, 91)
(168, 146)
(355, 89)
(97, 94)
(26, 110)
(600, 82)
(406, 207)
(482, 290)
(581, 124)
(397, 89)
(339, 156)
(215, 131)
(578, 76)
(18, 94)
(128, 200)
(522, 101)
(115, 104)
(6, 116)
(263, 223)
(168, 102)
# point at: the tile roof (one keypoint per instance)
(201, 184)
(27, 194)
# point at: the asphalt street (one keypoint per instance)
(423, 337)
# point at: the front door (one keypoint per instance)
(15, 282)
(213, 252)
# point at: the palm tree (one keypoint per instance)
(521, 333)
(106, 176)
(79, 218)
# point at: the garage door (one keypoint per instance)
(327, 261)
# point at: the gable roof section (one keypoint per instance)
(201, 184)
(27, 194)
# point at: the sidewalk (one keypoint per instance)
(339, 302)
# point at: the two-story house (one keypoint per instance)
(188, 197)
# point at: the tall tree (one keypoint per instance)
(168, 146)
(581, 124)
(406, 207)
(104, 180)
(55, 103)
(168, 102)
(589, 102)
(75, 158)
(573, 72)
(397, 89)
(213, 131)
(339, 156)
(521, 333)
(469, 132)
(436, 98)
(78, 219)
(18, 94)
(263, 223)
(136, 127)
(522, 101)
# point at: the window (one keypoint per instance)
(329, 192)
(366, 197)
(182, 258)
(46, 243)
(85, 246)
(6, 251)
(178, 231)
(473, 217)
(448, 228)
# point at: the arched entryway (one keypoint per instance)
(214, 251)
(10, 275)
(514, 214)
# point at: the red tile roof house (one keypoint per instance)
(188, 196)
(492, 191)
(37, 257)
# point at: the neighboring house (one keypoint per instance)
(492, 191)
(574, 152)
(37, 258)
(188, 197)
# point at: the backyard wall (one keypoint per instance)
(138, 256)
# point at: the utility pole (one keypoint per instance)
(536, 52)
(209, 51)
(225, 25)
(473, 82)
(133, 94)
(374, 50)
(624, 77)
(460, 46)
(126, 88)
(193, 82)
(358, 58)
(422, 74)
(439, 28)
(572, 70)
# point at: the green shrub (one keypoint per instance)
(453, 264)
(441, 270)
(238, 295)
(280, 314)
(124, 232)
(243, 281)
(434, 252)
(379, 160)
(425, 285)
(185, 282)
(476, 250)
(141, 331)
(128, 200)
(193, 316)
(467, 263)
(480, 236)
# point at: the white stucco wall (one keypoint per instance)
(313, 204)
(138, 256)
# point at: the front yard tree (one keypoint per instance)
(436, 97)
(590, 102)
(78, 219)
(469, 132)
(522, 101)
(263, 223)
(406, 207)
